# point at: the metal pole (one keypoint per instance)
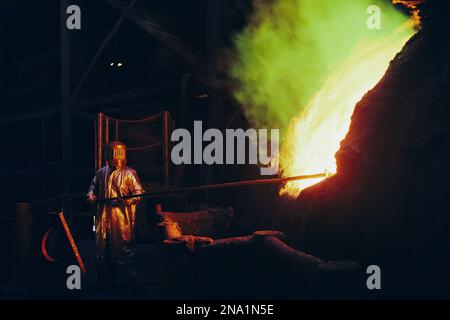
(106, 130)
(95, 145)
(23, 232)
(100, 140)
(117, 130)
(66, 139)
(166, 124)
(72, 242)
(43, 145)
(225, 185)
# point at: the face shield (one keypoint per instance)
(117, 154)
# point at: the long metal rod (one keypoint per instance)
(106, 130)
(72, 242)
(99, 164)
(165, 133)
(225, 185)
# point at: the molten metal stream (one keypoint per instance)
(314, 136)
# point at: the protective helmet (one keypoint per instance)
(117, 154)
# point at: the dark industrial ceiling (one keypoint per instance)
(156, 46)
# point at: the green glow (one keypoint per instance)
(291, 47)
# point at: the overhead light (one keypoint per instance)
(119, 64)
(112, 64)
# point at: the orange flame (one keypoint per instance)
(314, 136)
(412, 5)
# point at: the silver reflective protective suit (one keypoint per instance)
(115, 221)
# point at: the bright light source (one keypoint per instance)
(119, 64)
(111, 64)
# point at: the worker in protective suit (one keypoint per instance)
(115, 220)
